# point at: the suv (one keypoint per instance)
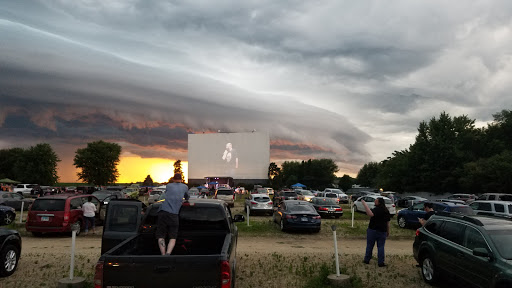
(493, 208)
(284, 195)
(24, 189)
(226, 194)
(492, 196)
(472, 249)
(57, 213)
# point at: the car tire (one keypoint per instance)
(8, 218)
(281, 224)
(401, 222)
(429, 270)
(9, 257)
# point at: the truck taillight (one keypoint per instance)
(225, 274)
(338, 209)
(98, 276)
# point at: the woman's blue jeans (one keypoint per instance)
(373, 236)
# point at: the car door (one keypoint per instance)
(448, 249)
(415, 211)
(75, 210)
(122, 221)
(15, 201)
(475, 269)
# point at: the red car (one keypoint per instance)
(56, 213)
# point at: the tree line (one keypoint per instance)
(449, 155)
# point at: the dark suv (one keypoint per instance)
(475, 250)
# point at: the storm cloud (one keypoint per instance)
(338, 79)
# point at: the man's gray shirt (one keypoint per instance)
(174, 194)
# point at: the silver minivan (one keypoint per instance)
(500, 208)
(227, 195)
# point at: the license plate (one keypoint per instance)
(45, 218)
(305, 219)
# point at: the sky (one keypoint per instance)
(345, 80)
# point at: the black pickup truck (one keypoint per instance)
(204, 255)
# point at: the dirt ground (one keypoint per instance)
(262, 261)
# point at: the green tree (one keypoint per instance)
(367, 175)
(274, 175)
(41, 164)
(493, 174)
(10, 164)
(98, 162)
(177, 169)
(148, 181)
(345, 182)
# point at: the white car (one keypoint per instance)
(370, 200)
(24, 189)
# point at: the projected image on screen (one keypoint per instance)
(237, 155)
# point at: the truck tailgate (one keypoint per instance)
(162, 271)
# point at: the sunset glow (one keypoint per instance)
(135, 169)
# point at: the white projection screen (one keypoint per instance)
(236, 155)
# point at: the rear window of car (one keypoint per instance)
(42, 204)
(261, 199)
(225, 192)
(388, 201)
(301, 208)
(289, 194)
(466, 210)
(155, 192)
(331, 195)
(326, 202)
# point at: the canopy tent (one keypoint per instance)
(200, 187)
(9, 181)
(298, 185)
(213, 183)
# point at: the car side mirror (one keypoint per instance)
(482, 252)
(239, 218)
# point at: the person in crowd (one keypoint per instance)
(429, 208)
(89, 210)
(168, 216)
(378, 230)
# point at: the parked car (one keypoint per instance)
(10, 251)
(304, 195)
(7, 215)
(462, 197)
(493, 196)
(409, 217)
(472, 250)
(86, 189)
(451, 201)
(57, 213)
(24, 189)
(407, 201)
(204, 254)
(329, 195)
(227, 195)
(104, 196)
(297, 215)
(70, 189)
(492, 208)
(327, 207)
(285, 195)
(14, 200)
(357, 194)
(195, 194)
(342, 197)
(154, 195)
(258, 203)
(370, 200)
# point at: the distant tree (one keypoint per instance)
(274, 173)
(291, 180)
(41, 164)
(346, 182)
(98, 162)
(367, 175)
(10, 163)
(177, 169)
(492, 174)
(148, 181)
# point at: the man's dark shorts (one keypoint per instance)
(167, 225)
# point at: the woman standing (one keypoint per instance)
(378, 230)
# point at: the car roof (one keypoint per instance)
(64, 196)
(486, 222)
(493, 201)
(296, 202)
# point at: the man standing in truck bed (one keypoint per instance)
(168, 216)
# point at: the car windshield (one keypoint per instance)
(336, 191)
(307, 193)
(327, 201)
(261, 199)
(101, 195)
(225, 192)
(298, 208)
(502, 240)
(289, 194)
(42, 204)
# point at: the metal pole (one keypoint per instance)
(353, 216)
(72, 265)
(336, 253)
(21, 213)
(248, 214)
